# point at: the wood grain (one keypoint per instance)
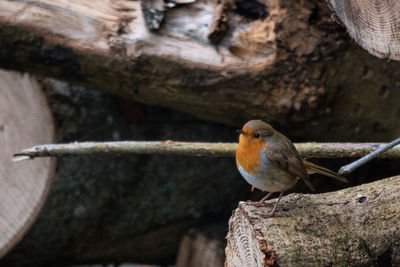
(25, 119)
(372, 24)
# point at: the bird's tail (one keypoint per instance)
(314, 168)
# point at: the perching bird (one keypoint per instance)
(269, 161)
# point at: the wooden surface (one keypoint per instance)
(105, 26)
(358, 226)
(295, 67)
(25, 119)
(371, 23)
(198, 249)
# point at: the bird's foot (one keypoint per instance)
(261, 202)
(268, 215)
(255, 203)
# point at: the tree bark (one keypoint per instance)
(358, 226)
(293, 67)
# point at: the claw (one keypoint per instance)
(272, 212)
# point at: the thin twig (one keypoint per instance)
(354, 165)
(307, 150)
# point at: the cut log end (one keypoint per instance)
(358, 225)
(25, 121)
(372, 24)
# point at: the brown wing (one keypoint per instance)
(286, 157)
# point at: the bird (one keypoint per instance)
(269, 161)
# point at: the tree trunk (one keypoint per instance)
(293, 67)
(358, 226)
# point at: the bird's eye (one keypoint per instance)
(257, 135)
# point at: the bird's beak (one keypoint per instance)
(241, 132)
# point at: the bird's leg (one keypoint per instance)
(272, 212)
(259, 203)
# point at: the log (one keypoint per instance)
(292, 65)
(25, 119)
(372, 24)
(358, 226)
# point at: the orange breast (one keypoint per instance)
(248, 156)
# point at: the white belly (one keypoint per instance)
(269, 177)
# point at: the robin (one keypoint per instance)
(269, 161)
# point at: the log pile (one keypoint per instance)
(292, 65)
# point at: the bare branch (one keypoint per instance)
(130, 147)
(354, 165)
(307, 150)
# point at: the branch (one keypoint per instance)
(354, 165)
(129, 147)
(307, 150)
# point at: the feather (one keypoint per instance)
(285, 156)
(314, 168)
